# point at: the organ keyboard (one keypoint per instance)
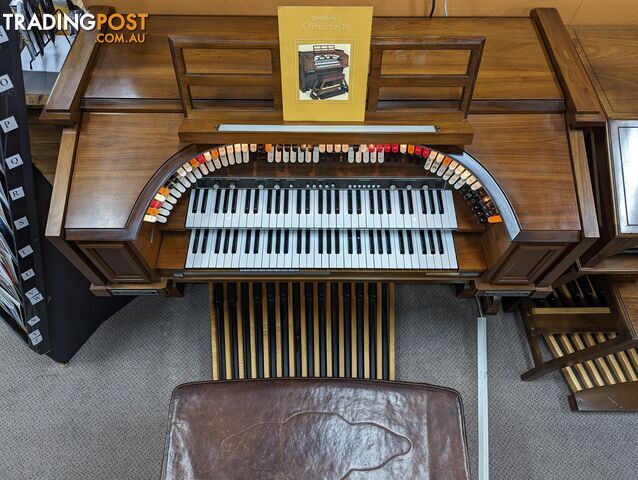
(465, 203)
(328, 249)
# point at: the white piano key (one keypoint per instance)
(294, 255)
(189, 215)
(418, 221)
(450, 212)
(343, 208)
(303, 218)
(324, 257)
(244, 251)
(189, 255)
(385, 216)
(287, 209)
(219, 215)
(315, 221)
(385, 254)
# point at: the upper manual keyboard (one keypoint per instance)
(300, 208)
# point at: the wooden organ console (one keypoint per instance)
(321, 71)
(157, 186)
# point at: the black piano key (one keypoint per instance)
(388, 202)
(320, 242)
(358, 238)
(283, 309)
(296, 306)
(218, 240)
(195, 242)
(235, 241)
(247, 203)
(307, 241)
(401, 202)
(349, 202)
(439, 240)
(371, 201)
(278, 242)
(256, 245)
(278, 201)
(371, 241)
(269, 242)
(358, 201)
(380, 248)
(379, 201)
(258, 194)
(329, 201)
(205, 240)
(298, 196)
(320, 205)
(431, 241)
(226, 241)
(388, 243)
(271, 320)
(431, 199)
(307, 202)
(401, 246)
(269, 202)
(350, 242)
(360, 320)
(347, 329)
(337, 201)
(424, 247)
(195, 199)
(337, 246)
(259, 337)
(424, 208)
(226, 199)
(233, 208)
(329, 242)
(323, 368)
(410, 202)
(248, 238)
(385, 334)
(286, 240)
(310, 343)
(439, 197)
(232, 312)
(300, 236)
(219, 198)
(408, 237)
(245, 322)
(372, 327)
(286, 201)
(334, 318)
(205, 200)
(218, 292)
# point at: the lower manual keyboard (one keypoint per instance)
(329, 249)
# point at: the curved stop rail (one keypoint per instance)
(180, 172)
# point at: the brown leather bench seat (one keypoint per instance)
(315, 429)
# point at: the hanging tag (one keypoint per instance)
(21, 222)
(16, 193)
(34, 320)
(8, 124)
(35, 337)
(28, 274)
(14, 161)
(26, 251)
(5, 83)
(3, 35)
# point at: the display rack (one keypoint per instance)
(16, 172)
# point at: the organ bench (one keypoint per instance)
(150, 191)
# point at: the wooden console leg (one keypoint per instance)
(491, 305)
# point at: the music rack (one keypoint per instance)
(18, 185)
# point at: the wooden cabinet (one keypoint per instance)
(526, 263)
(117, 261)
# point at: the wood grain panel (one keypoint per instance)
(542, 190)
(111, 148)
(610, 55)
(514, 65)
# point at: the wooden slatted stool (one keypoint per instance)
(592, 340)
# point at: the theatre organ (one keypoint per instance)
(321, 71)
(470, 168)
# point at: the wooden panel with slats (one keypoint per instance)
(302, 329)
